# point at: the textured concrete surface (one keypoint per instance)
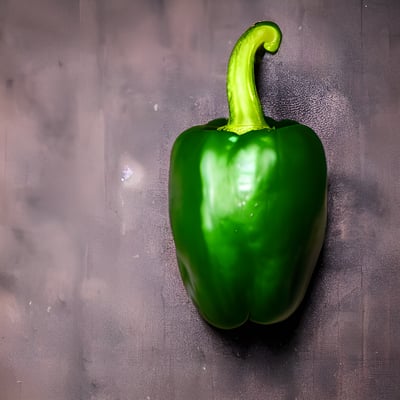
(92, 96)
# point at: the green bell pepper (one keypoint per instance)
(247, 202)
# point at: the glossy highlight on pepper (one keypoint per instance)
(247, 202)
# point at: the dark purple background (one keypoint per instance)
(91, 303)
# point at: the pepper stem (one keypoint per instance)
(245, 111)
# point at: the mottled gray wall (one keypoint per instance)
(91, 303)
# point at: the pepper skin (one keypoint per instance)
(247, 202)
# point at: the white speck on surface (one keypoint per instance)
(204, 367)
(131, 174)
(147, 397)
(155, 107)
(127, 172)
(300, 28)
(48, 309)
(136, 256)
(30, 302)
